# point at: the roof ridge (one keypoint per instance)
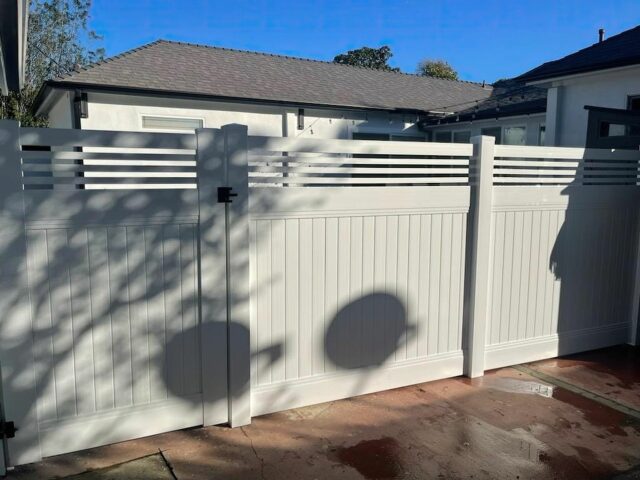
(277, 55)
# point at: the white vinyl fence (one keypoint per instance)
(137, 299)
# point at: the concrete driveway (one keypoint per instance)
(571, 418)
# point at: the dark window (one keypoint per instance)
(495, 132)
(634, 106)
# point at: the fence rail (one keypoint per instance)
(306, 162)
(523, 165)
(58, 159)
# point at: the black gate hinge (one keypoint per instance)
(225, 194)
(7, 430)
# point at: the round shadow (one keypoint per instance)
(367, 331)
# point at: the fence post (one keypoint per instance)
(482, 161)
(224, 273)
(238, 281)
(634, 337)
(18, 387)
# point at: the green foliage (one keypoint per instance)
(59, 41)
(376, 58)
(18, 106)
(437, 69)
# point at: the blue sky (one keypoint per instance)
(482, 39)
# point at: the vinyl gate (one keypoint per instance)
(101, 333)
(151, 282)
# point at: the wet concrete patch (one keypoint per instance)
(152, 467)
(610, 372)
(619, 362)
(511, 385)
(377, 459)
(595, 413)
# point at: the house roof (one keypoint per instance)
(617, 51)
(180, 68)
(509, 98)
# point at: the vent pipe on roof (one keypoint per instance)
(600, 35)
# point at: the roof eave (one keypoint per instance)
(546, 78)
(49, 86)
(538, 108)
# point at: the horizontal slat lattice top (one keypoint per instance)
(92, 159)
(523, 165)
(302, 162)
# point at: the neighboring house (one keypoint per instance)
(605, 75)
(171, 86)
(13, 43)
(514, 114)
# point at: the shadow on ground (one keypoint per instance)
(505, 425)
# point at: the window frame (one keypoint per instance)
(498, 139)
(169, 117)
(503, 133)
(453, 136)
(436, 132)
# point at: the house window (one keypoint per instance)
(515, 136)
(542, 130)
(442, 137)
(495, 132)
(171, 123)
(462, 137)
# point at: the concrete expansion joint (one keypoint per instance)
(608, 402)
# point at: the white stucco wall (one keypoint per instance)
(125, 112)
(609, 88)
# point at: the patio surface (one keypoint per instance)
(513, 423)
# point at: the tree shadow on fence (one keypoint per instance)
(101, 306)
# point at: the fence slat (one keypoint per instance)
(59, 155)
(73, 180)
(562, 180)
(356, 170)
(312, 145)
(296, 159)
(74, 167)
(505, 162)
(350, 180)
(517, 151)
(532, 172)
(59, 137)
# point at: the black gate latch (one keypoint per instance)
(224, 194)
(7, 429)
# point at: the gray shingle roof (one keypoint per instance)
(617, 51)
(173, 67)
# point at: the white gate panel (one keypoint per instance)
(112, 332)
(354, 290)
(116, 342)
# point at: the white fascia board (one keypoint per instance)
(555, 81)
(4, 88)
(23, 27)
